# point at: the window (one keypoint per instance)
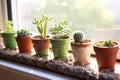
(99, 19)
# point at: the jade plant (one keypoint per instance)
(23, 32)
(60, 31)
(42, 25)
(78, 37)
(106, 43)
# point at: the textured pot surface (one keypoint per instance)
(60, 47)
(24, 44)
(106, 56)
(81, 52)
(41, 46)
(1, 43)
(9, 40)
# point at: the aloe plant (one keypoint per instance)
(60, 31)
(42, 25)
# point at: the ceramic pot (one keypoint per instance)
(82, 52)
(9, 40)
(41, 46)
(60, 47)
(106, 56)
(24, 44)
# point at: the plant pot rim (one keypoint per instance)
(60, 39)
(81, 44)
(37, 37)
(8, 33)
(88, 42)
(22, 37)
(117, 44)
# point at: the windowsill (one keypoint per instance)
(57, 66)
(31, 72)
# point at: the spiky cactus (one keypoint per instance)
(78, 37)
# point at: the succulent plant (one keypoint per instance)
(42, 25)
(9, 27)
(78, 36)
(60, 31)
(106, 43)
(23, 32)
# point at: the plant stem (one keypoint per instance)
(45, 29)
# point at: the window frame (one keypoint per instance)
(9, 9)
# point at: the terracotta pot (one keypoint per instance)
(82, 52)
(41, 46)
(106, 56)
(24, 44)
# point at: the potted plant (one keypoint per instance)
(41, 42)
(24, 41)
(82, 49)
(106, 52)
(8, 36)
(60, 40)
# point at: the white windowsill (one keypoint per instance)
(34, 71)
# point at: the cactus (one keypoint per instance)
(78, 37)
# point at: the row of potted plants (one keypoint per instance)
(106, 51)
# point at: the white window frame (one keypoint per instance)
(15, 14)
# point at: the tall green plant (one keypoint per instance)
(42, 25)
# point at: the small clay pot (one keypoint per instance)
(41, 46)
(82, 52)
(106, 56)
(24, 44)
